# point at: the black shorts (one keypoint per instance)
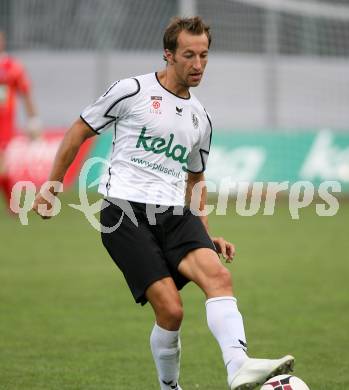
(152, 250)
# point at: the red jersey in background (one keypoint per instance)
(13, 80)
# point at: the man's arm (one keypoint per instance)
(33, 119)
(29, 105)
(196, 194)
(196, 197)
(66, 154)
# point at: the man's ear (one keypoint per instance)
(169, 56)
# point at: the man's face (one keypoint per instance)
(190, 59)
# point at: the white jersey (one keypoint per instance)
(158, 138)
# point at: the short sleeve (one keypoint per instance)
(111, 106)
(198, 156)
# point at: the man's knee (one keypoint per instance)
(174, 312)
(218, 280)
(223, 277)
(203, 267)
(166, 303)
(169, 315)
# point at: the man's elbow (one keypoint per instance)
(79, 132)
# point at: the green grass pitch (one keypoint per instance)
(68, 321)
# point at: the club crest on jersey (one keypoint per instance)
(160, 145)
(195, 120)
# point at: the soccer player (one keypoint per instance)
(13, 80)
(162, 137)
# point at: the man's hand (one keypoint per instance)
(39, 204)
(44, 203)
(46, 200)
(225, 248)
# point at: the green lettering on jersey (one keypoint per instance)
(160, 145)
(142, 140)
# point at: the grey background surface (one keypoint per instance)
(273, 64)
(311, 93)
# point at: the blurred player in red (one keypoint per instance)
(13, 82)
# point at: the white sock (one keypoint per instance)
(225, 322)
(166, 348)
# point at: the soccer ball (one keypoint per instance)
(284, 382)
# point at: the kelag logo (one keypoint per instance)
(160, 145)
(276, 157)
(328, 158)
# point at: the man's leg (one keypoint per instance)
(165, 340)
(136, 252)
(203, 267)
